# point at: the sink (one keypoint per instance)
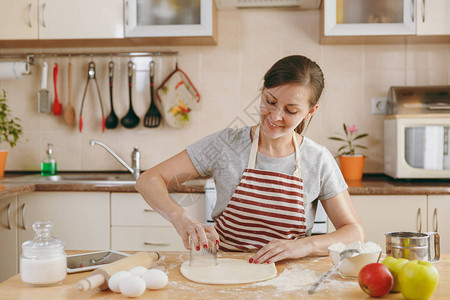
(77, 178)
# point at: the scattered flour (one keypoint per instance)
(367, 247)
(300, 278)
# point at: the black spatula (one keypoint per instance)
(152, 117)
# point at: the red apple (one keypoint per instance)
(375, 280)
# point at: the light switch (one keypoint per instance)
(378, 106)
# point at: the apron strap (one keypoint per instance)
(254, 151)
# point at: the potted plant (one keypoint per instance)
(351, 163)
(10, 130)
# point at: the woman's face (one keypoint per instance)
(283, 108)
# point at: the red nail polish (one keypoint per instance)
(205, 246)
(250, 260)
(268, 261)
(217, 242)
(256, 262)
(198, 248)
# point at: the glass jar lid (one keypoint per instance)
(43, 245)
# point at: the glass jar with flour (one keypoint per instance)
(43, 261)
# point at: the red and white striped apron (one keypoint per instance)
(266, 205)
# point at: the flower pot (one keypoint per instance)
(3, 155)
(352, 166)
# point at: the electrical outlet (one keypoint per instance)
(379, 106)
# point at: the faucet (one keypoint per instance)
(135, 158)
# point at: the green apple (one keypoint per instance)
(395, 265)
(418, 280)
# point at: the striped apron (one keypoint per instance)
(266, 205)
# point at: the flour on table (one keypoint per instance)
(298, 278)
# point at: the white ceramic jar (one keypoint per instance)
(43, 261)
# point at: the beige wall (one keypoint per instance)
(228, 77)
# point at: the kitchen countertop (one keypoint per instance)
(181, 288)
(372, 184)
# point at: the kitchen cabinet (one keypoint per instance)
(363, 17)
(381, 214)
(438, 221)
(80, 219)
(18, 19)
(8, 238)
(433, 17)
(135, 226)
(61, 19)
(384, 21)
(153, 18)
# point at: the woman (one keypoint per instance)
(268, 177)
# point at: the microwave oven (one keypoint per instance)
(417, 147)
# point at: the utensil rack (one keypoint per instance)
(30, 57)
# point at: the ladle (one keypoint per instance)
(69, 111)
(344, 254)
(130, 120)
(112, 120)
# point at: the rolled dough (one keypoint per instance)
(229, 271)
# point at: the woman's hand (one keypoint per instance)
(277, 250)
(187, 226)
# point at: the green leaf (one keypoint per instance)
(360, 136)
(337, 139)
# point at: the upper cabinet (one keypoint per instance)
(160, 18)
(107, 23)
(81, 19)
(385, 20)
(369, 17)
(18, 19)
(433, 17)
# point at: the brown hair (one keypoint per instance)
(300, 70)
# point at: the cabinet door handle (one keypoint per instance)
(423, 11)
(29, 15)
(412, 10)
(419, 220)
(23, 217)
(156, 244)
(148, 210)
(126, 13)
(43, 15)
(8, 216)
(435, 220)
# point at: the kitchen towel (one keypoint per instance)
(12, 70)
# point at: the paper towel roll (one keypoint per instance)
(12, 70)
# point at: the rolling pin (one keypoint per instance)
(100, 276)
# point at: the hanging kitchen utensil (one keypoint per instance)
(112, 120)
(177, 96)
(57, 107)
(152, 117)
(91, 76)
(44, 105)
(130, 120)
(69, 111)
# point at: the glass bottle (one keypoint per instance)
(43, 261)
(48, 164)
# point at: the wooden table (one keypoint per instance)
(181, 288)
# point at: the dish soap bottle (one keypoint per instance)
(48, 164)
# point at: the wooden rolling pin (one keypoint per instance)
(100, 276)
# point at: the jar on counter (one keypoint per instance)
(43, 261)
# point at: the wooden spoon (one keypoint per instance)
(69, 111)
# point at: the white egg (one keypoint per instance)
(155, 279)
(139, 270)
(132, 286)
(113, 282)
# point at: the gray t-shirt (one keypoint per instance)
(225, 154)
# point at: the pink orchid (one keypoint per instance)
(351, 129)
